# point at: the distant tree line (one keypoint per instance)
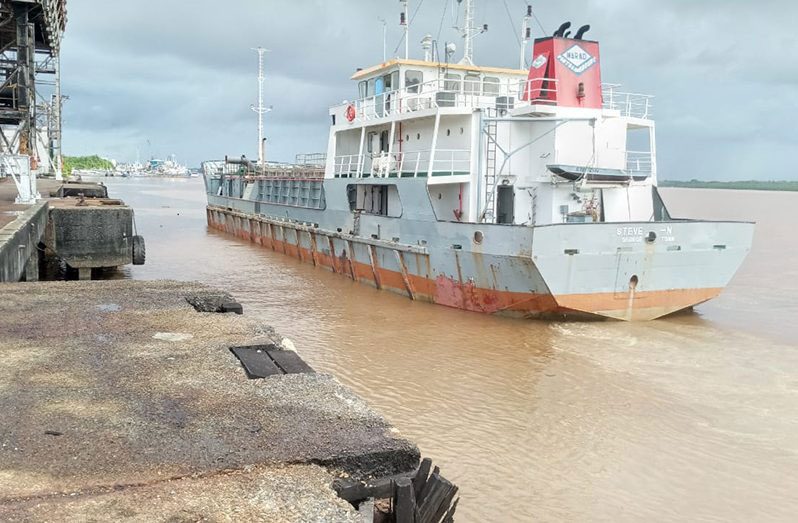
(751, 185)
(86, 163)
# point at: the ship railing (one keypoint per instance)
(315, 159)
(639, 162)
(409, 164)
(631, 105)
(458, 93)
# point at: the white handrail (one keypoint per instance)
(407, 164)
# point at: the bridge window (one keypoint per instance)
(472, 83)
(490, 85)
(363, 89)
(452, 82)
(413, 81)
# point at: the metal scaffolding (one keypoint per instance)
(30, 90)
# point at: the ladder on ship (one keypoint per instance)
(491, 130)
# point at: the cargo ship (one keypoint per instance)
(527, 192)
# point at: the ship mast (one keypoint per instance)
(404, 20)
(260, 109)
(469, 31)
(526, 36)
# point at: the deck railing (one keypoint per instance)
(410, 164)
(632, 105)
(440, 93)
(471, 94)
(639, 162)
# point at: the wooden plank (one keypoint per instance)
(439, 490)
(289, 361)
(405, 507)
(354, 491)
(313, 248)
(256, 361)
(405, 277)
(427, 486)
(299, 245)
(332, 255)
(449, 517)
(271, 236)
(447, 500)
(352, 260)
(374, 269)
(420, 477)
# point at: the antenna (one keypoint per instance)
(384, 38)
(469, 31)
(526, 35)
(404, 20)
(260, 109)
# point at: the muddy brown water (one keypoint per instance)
(693, 417)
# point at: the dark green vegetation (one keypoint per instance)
(86, 162)
(751, 185)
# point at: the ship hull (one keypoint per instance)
(568, 270)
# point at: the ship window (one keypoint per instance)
(394, 80)
(381, 200)
(371, 89)
(490, 85)
(363, 89)
(452, 82)
(413, 81)
(370, 142)
(471, 83)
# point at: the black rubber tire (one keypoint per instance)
(139, 250)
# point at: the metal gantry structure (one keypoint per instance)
(30, 90)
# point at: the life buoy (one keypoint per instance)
(351, 113)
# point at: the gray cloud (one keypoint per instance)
(181, 75)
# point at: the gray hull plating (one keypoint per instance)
(628, 271)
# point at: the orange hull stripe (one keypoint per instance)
(452, 293)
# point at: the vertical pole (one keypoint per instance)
(434, 144)
(260, 109)
(468, 33)
(360, 157)
(525, 37)
(260, 105)
(392, 137)
(406, 11)
(57, 127)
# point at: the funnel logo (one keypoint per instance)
(577, 59)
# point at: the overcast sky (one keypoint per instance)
(178, 77)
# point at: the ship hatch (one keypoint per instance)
(505, 204)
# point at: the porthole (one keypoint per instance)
(478, 237)
(633, 281)
(462, 130)
(418, 136)
(407, 138)
(448, 132)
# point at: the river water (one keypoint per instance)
(693, 417)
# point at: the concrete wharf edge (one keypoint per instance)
(121, 402)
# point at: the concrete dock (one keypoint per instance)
(121, 402)
(74, 222)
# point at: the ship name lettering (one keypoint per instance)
(630, 231)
